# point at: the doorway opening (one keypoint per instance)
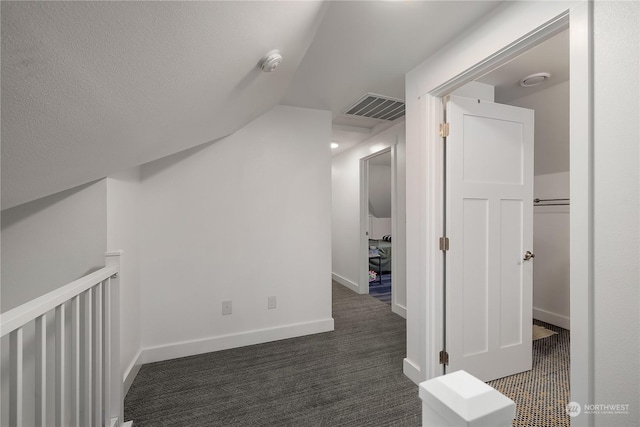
(549, 207)
(426, 86)
(379, 188)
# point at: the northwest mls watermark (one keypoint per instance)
(574, 409)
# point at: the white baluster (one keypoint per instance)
(97, 355)
(41, 371)
(75, 361)
(87, 357)
(116, 409)
(15, 378)
(107, 352)
(60, 367)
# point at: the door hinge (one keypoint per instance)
(444, 130)
(444, 358)
(444, 243)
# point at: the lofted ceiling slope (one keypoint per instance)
(91, 88)
(369, 46)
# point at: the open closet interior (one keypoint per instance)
(539, 80)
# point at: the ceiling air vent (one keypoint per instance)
(377, 107)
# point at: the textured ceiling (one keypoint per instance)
(91, 88)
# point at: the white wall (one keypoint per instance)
(380, 198)
(240, 219)
(123, 233)
(345, 176)
(379, 227)
(551, 127)
(476, 90)
(616, 211)
(52, 241)
(551, 246)
(345, 215)
(380, 190)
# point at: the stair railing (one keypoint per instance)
(90, 392)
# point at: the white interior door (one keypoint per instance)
(489, 190)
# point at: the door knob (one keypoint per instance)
(528, 255)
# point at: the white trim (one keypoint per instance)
(411, 370)
(398, 309)
(432, 296)
(363, 268)
(115, 253)
(345, 282)
(581, 216)
(553, 318)
(224, 342)
(131, 372)
(395, 307)
(363, 287)
(535, 37)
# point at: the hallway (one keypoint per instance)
(351, 376)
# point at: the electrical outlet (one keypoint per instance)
(226, 308)
(271, 302)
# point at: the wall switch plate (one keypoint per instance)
(271, 302)
(226, 308)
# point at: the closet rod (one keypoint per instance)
(536, 201)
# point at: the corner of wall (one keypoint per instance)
(131, 372)
(411, 371)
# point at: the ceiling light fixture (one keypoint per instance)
(534, 79)
(334, 144)
(271, 61)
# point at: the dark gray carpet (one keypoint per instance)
(349, 377)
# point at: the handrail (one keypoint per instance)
(21, 315)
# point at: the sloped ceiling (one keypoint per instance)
(380, 185)
(369, 46)
(550, 56)
(91, 88)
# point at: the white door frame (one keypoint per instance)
(363, 283)
(578, 19)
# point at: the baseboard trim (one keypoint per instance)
(224, 342)
(553, 318)
(399, 310)
(346, 282)
(411, 371)
(131, 372)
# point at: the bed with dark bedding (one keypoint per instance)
(384, 249)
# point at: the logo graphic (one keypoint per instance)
(573, 409)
